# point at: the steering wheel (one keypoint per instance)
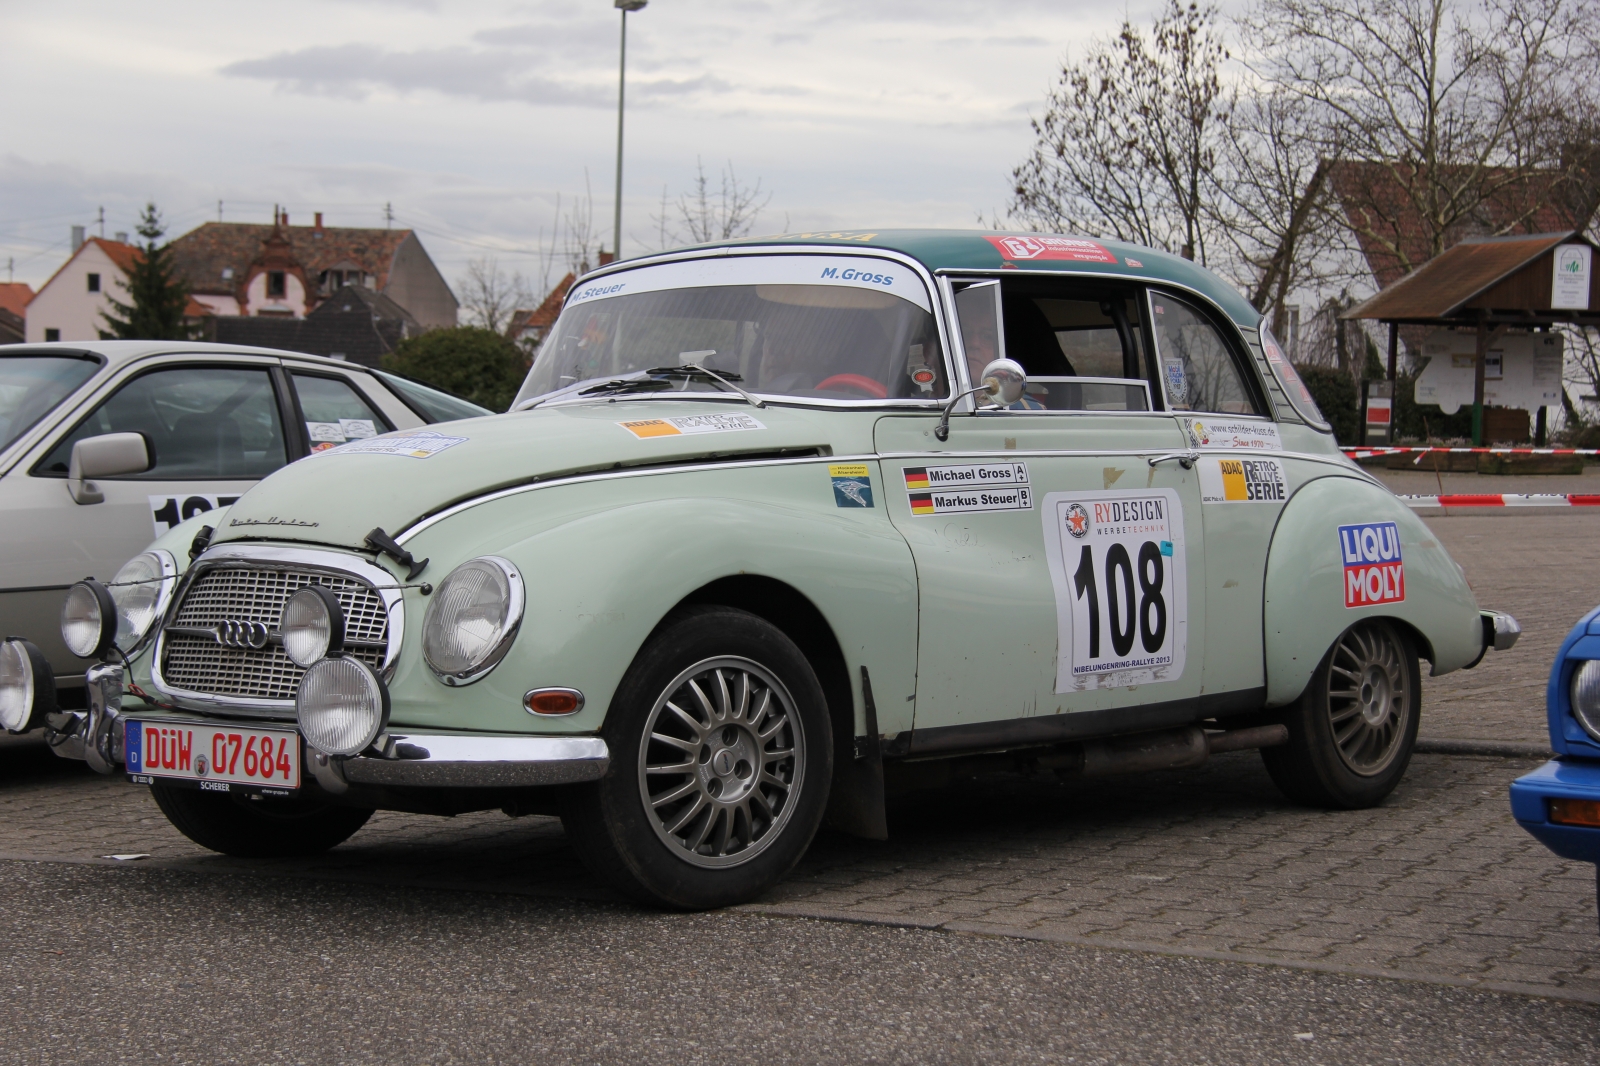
(859, 382)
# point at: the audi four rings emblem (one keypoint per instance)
(243, 634)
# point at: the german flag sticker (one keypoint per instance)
(916, 477)
(921, 503)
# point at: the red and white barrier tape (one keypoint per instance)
(1367, 453)
(1504, 499)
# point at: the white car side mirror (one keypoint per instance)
(107, 455)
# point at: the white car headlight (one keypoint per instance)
(27, 686)
(472, 619)
(312, 625)
(141, 590)
(341, 706)
(1586, 697)
(88, 619)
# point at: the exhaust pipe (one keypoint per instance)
(1176, 749)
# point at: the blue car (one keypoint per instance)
(1560, 801)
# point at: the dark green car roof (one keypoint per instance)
(958, 249)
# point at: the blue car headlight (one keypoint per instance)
(1585, 696)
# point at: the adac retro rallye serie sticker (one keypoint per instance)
(1374, 571)
(1118, 568)
(1250, 479)
(690, 424)
(968, 487)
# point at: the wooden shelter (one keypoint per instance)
(1491, 284)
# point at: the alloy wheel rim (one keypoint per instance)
(721, 762)
(1370, 701)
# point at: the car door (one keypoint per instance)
(215, 427)
(1220, 406)
(1061, 574)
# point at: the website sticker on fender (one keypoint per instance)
(1252, 480)
(1118, 568)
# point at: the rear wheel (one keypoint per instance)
(258, 828)
(1351, 733)
(721, 757)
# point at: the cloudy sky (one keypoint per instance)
(471, 118)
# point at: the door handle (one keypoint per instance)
(1185, 459)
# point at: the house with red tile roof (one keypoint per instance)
(72, 305)
(14, 297)
(285, 271)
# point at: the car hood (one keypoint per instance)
(339, 496)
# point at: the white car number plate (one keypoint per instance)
(216, 758)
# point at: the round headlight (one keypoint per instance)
(312, 625)
(1586, 697)
(88, 619)
(27, 686)
(140, 591)
(341, 706)
(471, 619)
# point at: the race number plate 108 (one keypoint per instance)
(1117, 565)
(214, 758)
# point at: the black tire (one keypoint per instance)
(751, 812)
(1352, 731)
(265, 828)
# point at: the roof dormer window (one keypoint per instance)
(277, 284)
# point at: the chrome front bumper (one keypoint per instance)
(427, 760)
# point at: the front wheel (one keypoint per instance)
(721, 758)
(1352, 731)
(257, 827)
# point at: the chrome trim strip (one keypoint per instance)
(485, 762)
(384, 583)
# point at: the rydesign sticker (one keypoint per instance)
(1075, 249)
(417, 447)
(685, 425)
(1374, 571)
(1118, 568)
(1217, 432)
(168, 512)
(852, 484)
(1254, 480)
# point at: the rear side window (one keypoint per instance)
(203, 423)
(1198, 369)
(335, 412)
(430, 404)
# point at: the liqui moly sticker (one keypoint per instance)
(1373, 569)
(1232, 433)
(687, 425)
(1075, 249)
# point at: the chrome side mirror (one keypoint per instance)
(107, 455)
(1003, 382)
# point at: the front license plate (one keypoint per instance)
(216, 758)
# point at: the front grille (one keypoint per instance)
(257, 593)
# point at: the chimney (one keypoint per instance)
(77, 237)
(607, 257)
(316, 231)
(122, 237)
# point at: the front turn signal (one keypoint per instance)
(1575, 812)
(553, 701)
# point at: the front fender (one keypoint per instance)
(604, 562)
(1304, 610)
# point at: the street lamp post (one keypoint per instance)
(624, 6)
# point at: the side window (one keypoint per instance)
(205, 423)
(1197, 368)
(980, 327)
(335, 412)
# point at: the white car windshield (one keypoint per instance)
(808, 327)
(31, 384)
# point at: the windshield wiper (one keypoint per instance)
(660, 378)
(693, 371)
(618, 385)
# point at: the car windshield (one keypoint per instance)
(32, 384)
(812, 327)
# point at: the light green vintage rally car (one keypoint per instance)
(769, 521)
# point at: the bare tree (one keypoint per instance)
(578, 239)
(1447, 116)
(489, 295)
(705, 215)
(1130, 136)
